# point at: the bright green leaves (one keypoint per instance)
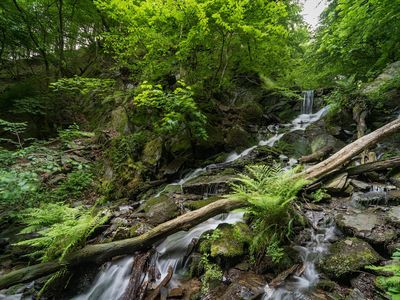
(358, 37)
(171, 113)
(61, 229)
(200, 39)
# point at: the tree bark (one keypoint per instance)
(103, 252)
(317, 155)
(345, 154)
(374, 166)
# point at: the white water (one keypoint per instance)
(299, 123)
(111, 282)
(308, 102)
(300, 287)
(173, 250)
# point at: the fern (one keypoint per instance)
(61, 229)
(392, 282)
(269, 190)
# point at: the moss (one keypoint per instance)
(149, 203)
(251, 111)
(196, 204)
(227, 240)
(237, 137)
(152, 152)
(348, 256)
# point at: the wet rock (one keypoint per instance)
(245, 285)
(175, 293)
(393, 215)
(139, 229)
(209, 185)
(337, 184)
(348, 256)
(365, 283)
(295, 144)
(391, 197)
(369, 225)
(326, 140)
(360, 185)
(356, 294)
(160, 209)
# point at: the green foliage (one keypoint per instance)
(73, 132)
(319, 195)
(203, 41)
(357, 37)
(61, 229)
(73, 186)
(269, 192)
(17, 188)
(15, 129)
(392, 282)
(212, 273)
(83, 86)
(170, 113)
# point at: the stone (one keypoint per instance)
(231, 240)
(175, 292)
(390, 72)
(365, 283)
(119, 120)
(369, 225)
(348, 256)
(209, 185)
(121, 233)
(247, 285)
(393, 215)
(337, 184)
(152, 152)
(236, 137)
(391, 197)
(360, 185)
(160, 209)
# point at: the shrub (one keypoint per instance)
(269, 192)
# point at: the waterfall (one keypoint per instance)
(308, 102)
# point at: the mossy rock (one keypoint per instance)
(348, 256)
(251, 112)
(227, 240)
(196, 204)
(237, 137)
(119, 120)
(152, 152)
(160, 209)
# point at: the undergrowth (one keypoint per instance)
(390, 283)
(269, 192)
(61, 229)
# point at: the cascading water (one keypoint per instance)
(111, 282)
(172, 252)
(308, 102)
(322, 233)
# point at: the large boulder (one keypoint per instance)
(348, 256)
(152, 152)
(369, 225)
(160, 209)
(237, 137)
(245, 285)
(119, 121)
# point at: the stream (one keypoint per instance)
(113, 279)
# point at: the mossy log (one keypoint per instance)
(341, 157)
(103, 252)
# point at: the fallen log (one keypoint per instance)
(162, 284)
(346, 153)
(374, 166)
(103, 252)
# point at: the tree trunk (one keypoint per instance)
(345, 154)
(103, 252)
